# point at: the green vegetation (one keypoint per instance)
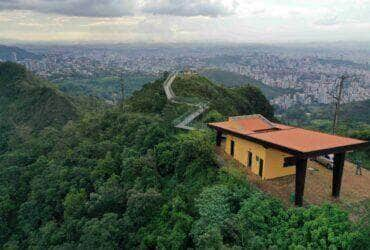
(27, 101)
(126, 179)
(231, 79)
(8, 54)
(226, 101)
(104, 87)
(354, 121)
(29, 104)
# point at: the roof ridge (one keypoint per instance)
(271, 131)
(264, 119)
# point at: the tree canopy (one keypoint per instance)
(118, 179)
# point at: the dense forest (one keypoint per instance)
(122, 177)
(105, 87)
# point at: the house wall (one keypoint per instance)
(275, 164)
(273, 159)
(241, 149)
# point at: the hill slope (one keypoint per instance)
(225, 101)
(230, 79)
(352, 115)
(28, 101)
(14, 53)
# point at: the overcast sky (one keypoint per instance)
(264, 21)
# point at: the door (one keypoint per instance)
(232, 146)
(250, 157)
(261, 168)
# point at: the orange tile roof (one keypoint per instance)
(292, 138)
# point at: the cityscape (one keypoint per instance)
(312, 73)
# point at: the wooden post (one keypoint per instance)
(337, 173)
(219, 138)
(300, 178)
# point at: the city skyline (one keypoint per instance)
(175, 21)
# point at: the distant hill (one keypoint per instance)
(231, 79)
(14, 54)
(104, 87)
(26, 100)
(351, 114)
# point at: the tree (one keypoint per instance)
(104, 233)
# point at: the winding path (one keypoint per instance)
(202, 107)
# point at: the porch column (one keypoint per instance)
(219, 137)
(300, 178)
(337, 173)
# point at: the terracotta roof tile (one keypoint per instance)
(293, 138)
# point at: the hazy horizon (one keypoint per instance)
(184, 21)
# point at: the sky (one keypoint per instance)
(168, 21)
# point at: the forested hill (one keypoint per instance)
(351, 114)
(14, 53)
(225, 101)
(231, 79)
(26, 100)
(124, 178)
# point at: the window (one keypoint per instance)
(260, 171)
(232, 148)
(289, 162)
(250, 157)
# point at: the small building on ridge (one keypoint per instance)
(273, 150)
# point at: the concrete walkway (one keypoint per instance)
(201, 107)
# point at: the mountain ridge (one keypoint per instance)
(11, 53)
(29, 101)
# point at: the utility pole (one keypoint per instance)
(337, 103)
(122, 85)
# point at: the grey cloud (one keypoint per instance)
(211, 8)
(117, 8)
(88, 8)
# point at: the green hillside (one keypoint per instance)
(223, 102)
(11, 53)
(28, 101)
(351, 115)
(124, 178)
(104, 87)
(231, 79)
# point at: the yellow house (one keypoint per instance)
(274, 150)
(266, 162)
